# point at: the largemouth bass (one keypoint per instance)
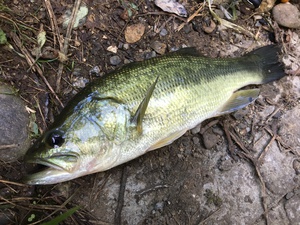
(144, 106)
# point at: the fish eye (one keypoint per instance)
(55, 139)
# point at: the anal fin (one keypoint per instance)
(168, 140)
(238, 100)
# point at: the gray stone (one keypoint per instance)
(277, 170)
(287, 15)
(163, 32)
(292, 208)
(159, 47)
(210, 139)
(14, 125)
(95, 71)
(115, 60)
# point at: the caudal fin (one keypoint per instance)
(272, 69)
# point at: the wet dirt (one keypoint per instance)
(242, 168)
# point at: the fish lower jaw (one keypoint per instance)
(48, 176)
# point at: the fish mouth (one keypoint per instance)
(46, 172)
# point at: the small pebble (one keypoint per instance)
(209, 140)
(149, 55)
(126, 61)
(289, 195)
(80, 82)
(115, 60)
(163, 32)
(159, 47)
(126, 46)
(296, 166)
(112, 49)
(95, 71)
(196, 129)
(208, 25)
(287, 15)
(196, 140)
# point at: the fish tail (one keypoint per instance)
(268, 60)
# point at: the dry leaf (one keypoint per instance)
(171, 6)
(134, 33)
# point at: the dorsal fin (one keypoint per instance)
(137, 119)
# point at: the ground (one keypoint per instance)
(241, 168)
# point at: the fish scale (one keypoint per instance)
(146, 105)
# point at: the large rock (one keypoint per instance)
(14, 123)
(287, 15)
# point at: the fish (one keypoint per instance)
(144, 106)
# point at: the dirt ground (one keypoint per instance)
(242, 168)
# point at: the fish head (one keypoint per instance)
(86, 142)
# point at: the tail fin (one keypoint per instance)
(272, 69)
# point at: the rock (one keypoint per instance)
(277, 170)
(80, 82)
(134, 33)
(196, 129)
(115, 60)
(287, 15)
(208, 25)
(163, 32)
(95, 71)
(112, 48)
(196, 140)
(159, 47)
(149, 54)
(14, 125)
(126, 46)
(293, 209)
(210, 139)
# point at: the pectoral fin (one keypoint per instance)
(238, 100)
(137, 119)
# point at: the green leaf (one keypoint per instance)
(62, 217)
(132, 5)
(3, 39)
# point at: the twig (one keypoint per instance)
(153, 188)
(66, 41)
(229, 24)
(54, 26)
(118, 218)
(55, 211)
(230, 142)
(209, 216)
(264, 195)
(207, 126)
(256, 164)
(191, 17)
(31, 64)
(4, 147)
(13, 183)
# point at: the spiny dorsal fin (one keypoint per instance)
(137, 119)
(238, 100)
